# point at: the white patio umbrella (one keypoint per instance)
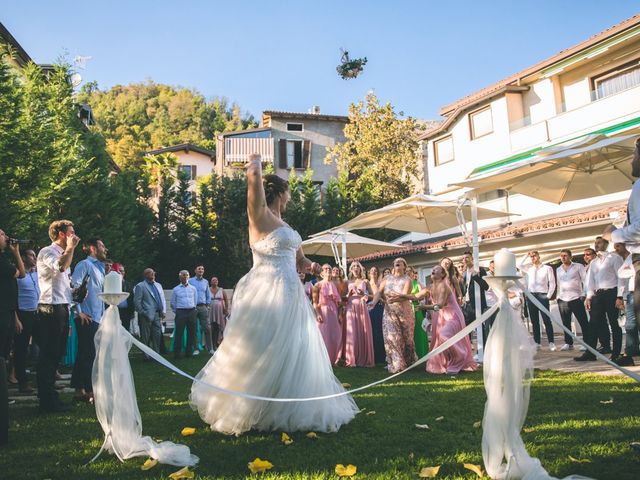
(420, 213)
(575, 173)
(352, 245)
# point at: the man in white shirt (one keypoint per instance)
(184, 300)
(571, 279)
(541, 284)
(54, 281)
(630, 233)
(604, 290)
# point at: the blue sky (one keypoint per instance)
(281, 55)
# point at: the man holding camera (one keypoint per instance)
(8, 321)
(53, 309)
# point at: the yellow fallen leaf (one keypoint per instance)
(439, 419)
(348, 471)
(182, 474)
(372, 412)
(429, 472)
(149, 464)
(312, 435)
(286, 439)
(529, 429)
(575, 460)
(477, 424)
(474, 468)
(186, 431)
(346, 385)
(422, 426)
(259, 465)
(606, 402)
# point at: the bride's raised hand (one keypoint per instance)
(254, 160)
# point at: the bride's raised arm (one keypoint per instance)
(256, 199)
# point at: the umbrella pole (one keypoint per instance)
(476, 267)
(344, 253)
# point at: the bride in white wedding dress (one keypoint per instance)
(272, 346)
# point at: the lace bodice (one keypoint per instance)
(277, 250)
(395, 284)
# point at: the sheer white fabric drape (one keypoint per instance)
(115, 399)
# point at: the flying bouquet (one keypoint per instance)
(349, 68)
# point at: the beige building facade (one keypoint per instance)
(591, 89)
(287, 140)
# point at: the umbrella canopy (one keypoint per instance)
(357, 246)
(575, 173)
(420, 213)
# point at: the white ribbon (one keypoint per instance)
(461, 334)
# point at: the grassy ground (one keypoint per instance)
(566, 419)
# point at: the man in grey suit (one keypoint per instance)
(150, 305)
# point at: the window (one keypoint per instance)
(189, 170)
(294, 154)
(481, 122)
(443, 149)
(295, 127)
(614, 81)
(491, 195)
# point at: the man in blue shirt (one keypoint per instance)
(88, 314)
(201, 285)
(28, 294)
(183, 303)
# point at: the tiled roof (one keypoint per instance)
(628, 23)
(518, 230)
(308, 116)
(183, 146)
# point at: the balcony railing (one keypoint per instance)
(238, 150)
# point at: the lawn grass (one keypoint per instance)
(566, 418)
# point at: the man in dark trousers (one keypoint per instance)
(471, 280)
(8, 321)
(630, 233)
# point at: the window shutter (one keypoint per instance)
(194, 172)
(306, 154)
(282, 154)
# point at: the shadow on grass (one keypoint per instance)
(565, 419)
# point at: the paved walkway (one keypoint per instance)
(564, 362)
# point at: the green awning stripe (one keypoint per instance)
(531, 153)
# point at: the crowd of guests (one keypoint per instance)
(42, 301)
(370, 318)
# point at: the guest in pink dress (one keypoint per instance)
(218, 312)
(398, 320)
(447, 320)
(326, 303)
(358, 340)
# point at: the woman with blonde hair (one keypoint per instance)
(397, 320)
(358, 341)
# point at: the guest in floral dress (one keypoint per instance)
(358, 340)
(218, 312)
(326, 302)
(375, 314)
(447, 320)
(397, 320)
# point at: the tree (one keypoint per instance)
(139, 117)
(379, 155)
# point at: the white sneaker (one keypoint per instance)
(538, 347)
(566, 347)
(582, 348)
(196, 352)
(552, 347)
(211, 352)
